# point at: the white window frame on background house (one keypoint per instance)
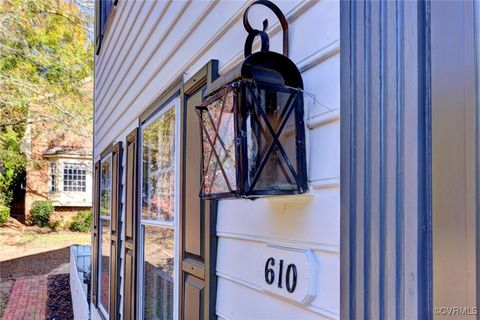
(101, 219)
(52, 187)
(174, 225)
(74, 177)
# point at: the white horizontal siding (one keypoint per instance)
(313, 220)
(324, 151)
(152, 43)
(243, 302)
(323, 81)
(241, 263)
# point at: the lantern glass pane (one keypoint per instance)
(219, 130)
(277, 121)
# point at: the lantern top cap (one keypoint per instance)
(262, 67)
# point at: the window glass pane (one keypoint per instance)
(104, 283)
(73, 173)
(105, 187)
(158, 272)
(159, 168)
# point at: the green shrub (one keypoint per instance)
(54, 225)
(82, 221)
(4, 213)
(40, 213)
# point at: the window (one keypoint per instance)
(102, 11)
(104, 233)
(74, 177)
(158, 217)
(53, 175)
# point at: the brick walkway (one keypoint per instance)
(28, 299)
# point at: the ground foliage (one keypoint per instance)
(4, 213)
(59, 303)
(41, 212)
(82, 222)
(46, 63)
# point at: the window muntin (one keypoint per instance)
(53, 177)
(74, 177)
(104, 236)
(158, 193)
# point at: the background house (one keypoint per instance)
(60, 172)
(59, 167)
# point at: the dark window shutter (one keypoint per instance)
(115, 229)
(95, 213)
(129, 292)
(198, 217)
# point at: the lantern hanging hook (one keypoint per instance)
(253, 33)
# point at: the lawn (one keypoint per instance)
(30, 250)
(17, 240)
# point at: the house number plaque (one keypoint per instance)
(289, 272)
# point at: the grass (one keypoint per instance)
(17, 240)
(53, 238)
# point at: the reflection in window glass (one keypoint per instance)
(158, 216)
(104, 270)
(106, 187)
(158, 272)
(158, 168)
(105, 209)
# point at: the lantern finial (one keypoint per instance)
(252, 33)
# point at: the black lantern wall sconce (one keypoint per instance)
(252, 123)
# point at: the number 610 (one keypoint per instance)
(290, 276)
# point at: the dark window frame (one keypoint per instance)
(106, 155)
(104, 10)
(157, 109)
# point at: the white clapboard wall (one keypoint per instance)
(149, 44)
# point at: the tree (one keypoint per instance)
(12, 161)
(46, 57)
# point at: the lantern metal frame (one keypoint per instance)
(271, 72)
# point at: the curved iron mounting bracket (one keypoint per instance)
(253, 33)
